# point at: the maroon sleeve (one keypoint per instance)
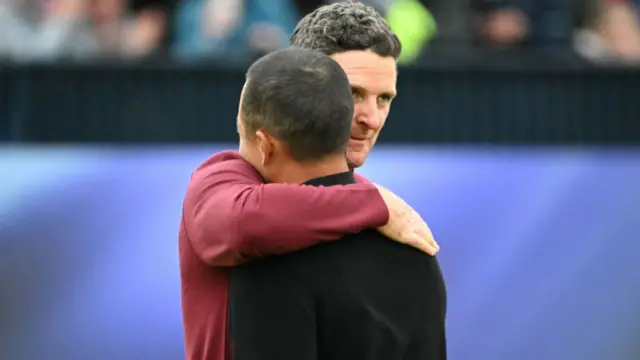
(231, 216)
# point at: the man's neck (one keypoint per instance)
(298, 173)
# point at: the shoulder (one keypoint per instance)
(304, 266)
(225, 166)
(222, 160)
(383, 250)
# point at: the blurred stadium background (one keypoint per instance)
(516, 134)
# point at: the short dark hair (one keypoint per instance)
(303, 98)
(345, 26)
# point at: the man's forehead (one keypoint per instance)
(368, 70)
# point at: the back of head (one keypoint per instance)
(346, 26)
(301, 98)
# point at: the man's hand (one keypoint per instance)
(406, 225)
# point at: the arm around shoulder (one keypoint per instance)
(231, 216)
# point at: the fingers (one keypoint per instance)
(423, 245)
(424, 232)
(406, 225)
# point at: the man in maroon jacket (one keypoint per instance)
(230, 216)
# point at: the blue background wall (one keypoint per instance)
(539, 249)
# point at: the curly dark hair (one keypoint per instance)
(345, 26)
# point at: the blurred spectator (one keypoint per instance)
(535, 22)
(306, 6)
(455, 21)
(34, 30)
(232, 29)
(414, 25)
(39, 30)
(465, 26)
(608, 30)
(167, 9)
(120, 33)
(500, 22)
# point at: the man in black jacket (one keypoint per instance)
(363, 297)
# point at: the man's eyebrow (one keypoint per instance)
(391, 94)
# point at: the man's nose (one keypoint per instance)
(367, 114)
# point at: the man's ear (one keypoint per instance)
(266, 146)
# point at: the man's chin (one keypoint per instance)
(355, 160)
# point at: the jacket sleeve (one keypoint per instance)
(231, 216)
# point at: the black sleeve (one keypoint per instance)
(271, 317)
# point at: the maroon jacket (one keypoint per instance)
(230, 216)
